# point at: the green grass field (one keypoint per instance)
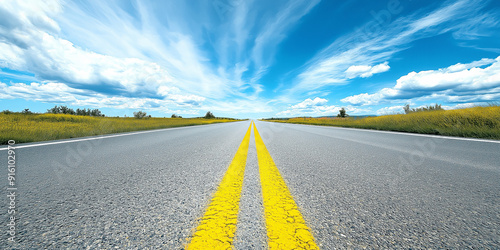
(43, 127)
(477, 122)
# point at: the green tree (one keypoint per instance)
(96, 112)
(209, 115)
(342, 113)
(61, 110)
(54, 110)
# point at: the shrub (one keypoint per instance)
(140, 114)
(408, 110)
(27, 112)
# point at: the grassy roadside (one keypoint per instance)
(477, 122)
(43, 127)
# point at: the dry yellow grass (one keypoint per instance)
(478, 122)
(43, 127)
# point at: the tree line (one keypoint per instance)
(65, 110)
(61, 110)
(96, 112)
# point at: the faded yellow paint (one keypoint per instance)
(218, 226)
(286, 228)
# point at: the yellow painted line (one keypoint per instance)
(218, 226)
(286, 228)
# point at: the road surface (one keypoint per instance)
(353, 188)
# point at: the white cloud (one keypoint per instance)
(61, 93)
(390, 110)
(273, 32)
(478, 26)
(310, 103)
(310, 107)
(17, 75)
(50, 92)
(460, 106)
(238, 107)
(219, 54)
(460, 67)
(148, 49)
(38, 50)
(349, 56)
(370, 99)
(255, 32)
(318, 107)
(365, 71)
(457, 83)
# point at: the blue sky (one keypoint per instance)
(248, 59)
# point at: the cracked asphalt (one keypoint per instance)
(354, 188)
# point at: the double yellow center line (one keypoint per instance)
(286, 228)
(218, 226)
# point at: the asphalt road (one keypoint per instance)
(354, 188)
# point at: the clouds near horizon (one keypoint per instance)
(457, 83)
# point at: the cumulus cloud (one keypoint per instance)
(460, 106)
(370, 99)
(470, 82)
(317, 107)
(365, 71)
(391, 110)
(310, 103)
(53, 92)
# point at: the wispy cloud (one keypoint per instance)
(17, 76)
(274, 31)
(169, 40)
(221, 51)
(378, 41)
(481, 25)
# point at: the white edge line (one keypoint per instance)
(402, 133)
(99, 137)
